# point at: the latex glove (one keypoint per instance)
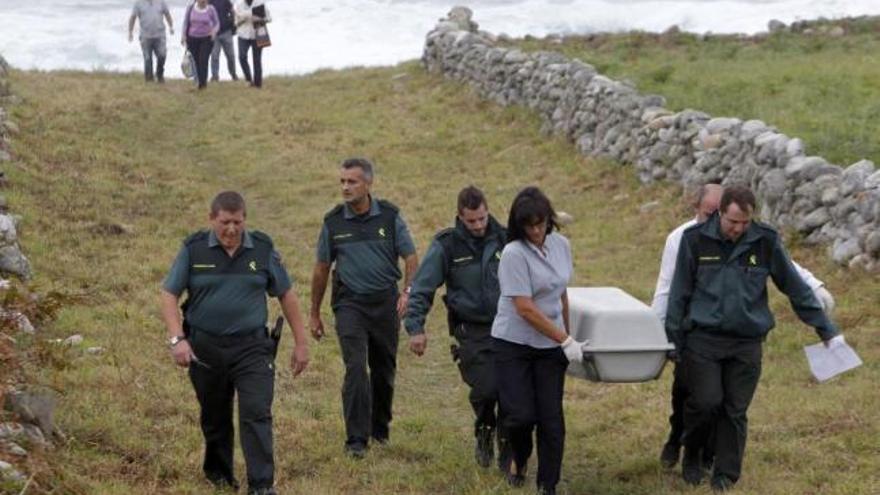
(834, 342)
(825, 299)
(574, 350)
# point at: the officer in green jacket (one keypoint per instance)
(362, 240)
(465, 258)
(227, 272)
(718, 318)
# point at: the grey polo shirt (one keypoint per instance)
(365, 261)
(149, 14)
(539, 273)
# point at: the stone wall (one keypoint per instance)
(828, 204)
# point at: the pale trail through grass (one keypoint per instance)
(98, 148)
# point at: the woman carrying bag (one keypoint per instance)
(251, 17)
(200, 26)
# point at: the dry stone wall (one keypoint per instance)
(828, 204)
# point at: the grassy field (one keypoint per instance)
(100, 150)
(821, 89)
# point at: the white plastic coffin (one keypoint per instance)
(627, 342)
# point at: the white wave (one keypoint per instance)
(312, 34)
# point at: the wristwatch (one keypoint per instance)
(173, 341)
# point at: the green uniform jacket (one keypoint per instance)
(468, 266)
(721, 287)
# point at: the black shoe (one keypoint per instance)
(516, 475)
(722, 483)
(160, 79)
(670, 454)
(262, 491)
(222, 483)
(356, 450)
(234, 77)
(483, 451)
(691, 467)
(543, 490)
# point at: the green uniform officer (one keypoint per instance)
(718, 319)
(227, 272)
(465, 258)
(363, 238)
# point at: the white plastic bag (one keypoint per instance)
(188, 65)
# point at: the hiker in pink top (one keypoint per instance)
(200, 27)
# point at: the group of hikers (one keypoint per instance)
(507, 309)
(208, 27)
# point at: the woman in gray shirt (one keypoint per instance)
(530, 337)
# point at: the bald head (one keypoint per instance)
(706, 200)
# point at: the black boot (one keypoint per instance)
(692, 466)
(670, 454)
(483, 451)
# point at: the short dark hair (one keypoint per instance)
(529, 207)
(365, 165)
(230, 201)
(739, 194)
(471, 198)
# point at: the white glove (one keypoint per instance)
(825, 300)
(574, 350)
(836, 341)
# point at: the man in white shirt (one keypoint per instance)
(705, 202)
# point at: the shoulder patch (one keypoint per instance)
(195, 237)
(387, 204)
(334, 211)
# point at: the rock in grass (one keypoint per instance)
(12, 260)
(649, 207)
(35, 406)
(9, 473)
(564, 218)
(15, 449)
(73, 340)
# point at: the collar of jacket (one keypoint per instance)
(712, 228)
(492, 229)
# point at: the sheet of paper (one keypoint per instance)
(827, 363)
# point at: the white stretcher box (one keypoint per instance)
(626, 341)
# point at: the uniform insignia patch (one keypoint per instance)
(753, 260)
(253, 266)
(382, 231)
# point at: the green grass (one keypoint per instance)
(105, 149)
(823, 90)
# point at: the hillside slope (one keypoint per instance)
(111, 174)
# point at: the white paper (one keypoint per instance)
(827, 363)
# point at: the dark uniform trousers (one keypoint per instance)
(477, 366)
(530, 386)
(232, 365)
(676, 419)
(722, 374)
(368, 335)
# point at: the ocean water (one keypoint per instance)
(311, 34)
